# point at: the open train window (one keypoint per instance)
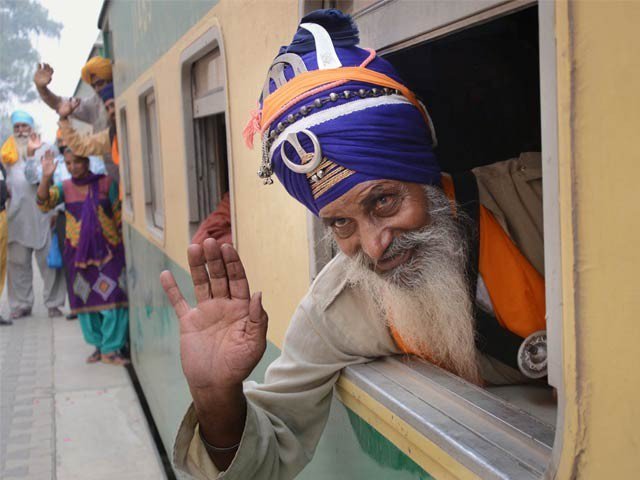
(125, 162)
(152, 162)
(486, 72)
(205, 105)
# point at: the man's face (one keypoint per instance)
(371, 215)
(21, 130)
(408, 256)
(97, 83)
(110, 105)
(77, 167)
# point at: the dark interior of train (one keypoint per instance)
(481, 86)
(482, 89)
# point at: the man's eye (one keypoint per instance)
(342, 227)
(386, 204)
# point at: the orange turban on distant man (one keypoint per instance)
(99, 67)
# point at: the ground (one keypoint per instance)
(61, 418)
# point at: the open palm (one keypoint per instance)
(223, 337)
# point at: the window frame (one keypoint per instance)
(125, 161)
(366, 379)
(215, 103)
(149, 173)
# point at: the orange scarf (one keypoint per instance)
(9, 151)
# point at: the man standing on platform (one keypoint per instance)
(29, 229)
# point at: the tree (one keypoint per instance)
(20, 22)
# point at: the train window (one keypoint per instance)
(153, 181)
(205, 107)
(478, 67)
(125, 166)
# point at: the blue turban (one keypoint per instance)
(365, 132)
(20, 116)
(106, 92)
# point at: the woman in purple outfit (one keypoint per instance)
(93, 253)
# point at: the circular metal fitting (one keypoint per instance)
(532, 355)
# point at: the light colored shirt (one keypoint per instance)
(92, 111)
(336, 326)
(27, 225)
(84, 145)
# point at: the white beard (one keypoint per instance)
(21, 145)
(426, 300)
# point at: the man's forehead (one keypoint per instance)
(353, 198)
(21, 125)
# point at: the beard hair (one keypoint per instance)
(22, 142)
(426, 300)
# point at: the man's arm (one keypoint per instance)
(83, 145)
(42, 78)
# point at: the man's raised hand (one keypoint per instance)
(43, 75)
(223, 337)
(33, 144)
(66, 107)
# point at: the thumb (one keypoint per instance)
(258, 318)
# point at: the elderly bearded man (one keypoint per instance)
(29, 229)
(352, 143)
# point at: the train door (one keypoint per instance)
(204, 93)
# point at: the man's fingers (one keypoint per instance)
(238, 284)
(217, 271)
(258, 318)
(199, 274)
(174, 294)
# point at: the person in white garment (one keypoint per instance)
(29, 230)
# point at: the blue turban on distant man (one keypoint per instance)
(20, 116)
(333, 115)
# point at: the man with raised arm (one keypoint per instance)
(29, 230)
(97, 72)
(447, 268)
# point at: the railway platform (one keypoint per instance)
(63, 419)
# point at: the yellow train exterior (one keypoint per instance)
(590, 110)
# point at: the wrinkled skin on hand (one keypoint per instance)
(223, 337)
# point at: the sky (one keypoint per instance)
(66, 54)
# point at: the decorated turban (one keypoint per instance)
(333, 115)
(99, 67)
(20, 116)
(106, 93)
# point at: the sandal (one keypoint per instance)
(94, 357)
(115, 358)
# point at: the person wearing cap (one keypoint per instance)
(444, 267)
(97, 72)
(29, 230)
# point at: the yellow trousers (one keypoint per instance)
(3, 248)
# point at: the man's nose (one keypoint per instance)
(374, 240)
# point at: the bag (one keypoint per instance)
(54, 258)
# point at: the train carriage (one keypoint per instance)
(499, 78)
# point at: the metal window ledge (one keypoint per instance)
(490, 437)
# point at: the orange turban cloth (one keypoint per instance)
(98, 66)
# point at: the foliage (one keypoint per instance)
(20, 22)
